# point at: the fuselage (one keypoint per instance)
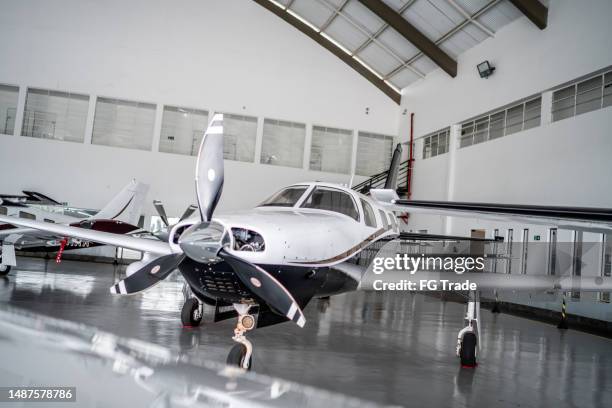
(308, 232)
(297, 236)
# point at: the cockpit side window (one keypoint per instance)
(332, 200)
(286, 197)
(368, 214)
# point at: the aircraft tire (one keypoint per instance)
(190, 313)
(4, 269)
(468, 350)
(236, 356)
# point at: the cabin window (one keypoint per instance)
(368, 214)
(285, 198)
(332, 200)
(393, 222)
(384, 219)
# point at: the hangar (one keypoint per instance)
(197, 197)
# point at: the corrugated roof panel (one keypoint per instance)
(313, 11)
(476, 33)
(396, 4)
(428, 19)
(448, 10)
(347, 35)
(472, 6)
(424, 64)
(404, 78)
(395, 41)
(378, 59)
(361, 15)
(458, 43)
(499, 15)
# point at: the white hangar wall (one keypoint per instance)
(564, 162)
(218, 55)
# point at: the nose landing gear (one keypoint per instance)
(240, 355)
(192, 310)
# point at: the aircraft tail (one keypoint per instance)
(125, 206)
(391, 182)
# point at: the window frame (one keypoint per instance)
(307, 190)
(576, 92)
(300, 203)
(470, 129)
(385, 221)
(436, 143)
(364, 203)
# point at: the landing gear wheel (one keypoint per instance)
(468, 350)
(4, 269)
(191, 313)
(237, 355)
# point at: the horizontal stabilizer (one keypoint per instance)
(384, 195)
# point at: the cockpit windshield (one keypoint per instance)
(330, 199)
(286, 197)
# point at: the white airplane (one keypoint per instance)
(296, 245)
(119, 216)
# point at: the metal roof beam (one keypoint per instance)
(333, 16)
(412, 34)
(333, 48)
(534, 10)
(446, 36)
(381, 29)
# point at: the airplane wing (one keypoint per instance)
(154, 246)
(17, 231)
(574, 218)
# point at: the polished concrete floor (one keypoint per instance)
(389, 348)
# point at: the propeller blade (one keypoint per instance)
(159, 207)
(209, 168)
(148, 276)
(266, 287)
(188, 212)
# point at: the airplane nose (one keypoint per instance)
(202, 242)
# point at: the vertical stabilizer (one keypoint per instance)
(391, 182)
(127, 205)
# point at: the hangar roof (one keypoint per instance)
(366, 32)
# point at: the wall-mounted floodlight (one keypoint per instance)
(485, 69)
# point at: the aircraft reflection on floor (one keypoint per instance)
(110, 371)
(386, 347)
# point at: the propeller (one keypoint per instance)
(266, 287)
(209, 169)
(161, 211)
(188, 211)
(149, 275)
(205, 241)
(209, 183)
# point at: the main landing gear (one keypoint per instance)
(240, 355)
(469, 336)
(4, 269)
(192, 310)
